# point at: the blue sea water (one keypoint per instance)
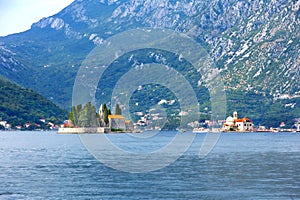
(45, 165)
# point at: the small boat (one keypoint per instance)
(182, 130)
(298, 127)
(200, 130)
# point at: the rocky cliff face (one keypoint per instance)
(9, 63)
(255, 44)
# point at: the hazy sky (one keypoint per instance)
(18, 15)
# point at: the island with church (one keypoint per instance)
(85, 119)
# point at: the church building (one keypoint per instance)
(233, 123)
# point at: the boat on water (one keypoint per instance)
(200, 130)
(298, 127)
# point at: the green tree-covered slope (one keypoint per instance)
(254, 45)
(19, 105)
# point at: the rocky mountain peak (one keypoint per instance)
(254, 44)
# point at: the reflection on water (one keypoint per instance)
(44, 165)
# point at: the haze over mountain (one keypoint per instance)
(255, 46)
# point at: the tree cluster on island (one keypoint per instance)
(87, 116)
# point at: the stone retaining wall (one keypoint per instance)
(83, 130)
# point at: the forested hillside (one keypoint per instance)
(19, 105)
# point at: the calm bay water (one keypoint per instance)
(45, 165)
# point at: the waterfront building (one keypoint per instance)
(117, 122)
(3, 123)
(233, 123)
(129, 125)
(244, 124)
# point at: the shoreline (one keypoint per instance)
(95, 130)
(84, 130)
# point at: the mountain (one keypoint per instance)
(19, 106)
(255, 46)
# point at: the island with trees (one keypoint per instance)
(85, 119)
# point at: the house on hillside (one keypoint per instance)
(3, 123)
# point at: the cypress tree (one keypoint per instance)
(105, 114)
(94, 121)
(118, 110)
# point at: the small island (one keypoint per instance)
(85, 119)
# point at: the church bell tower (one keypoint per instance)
(235, 116)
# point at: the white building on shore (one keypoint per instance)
(233, 123)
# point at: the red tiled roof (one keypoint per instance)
(238, 120)
(245, 119)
